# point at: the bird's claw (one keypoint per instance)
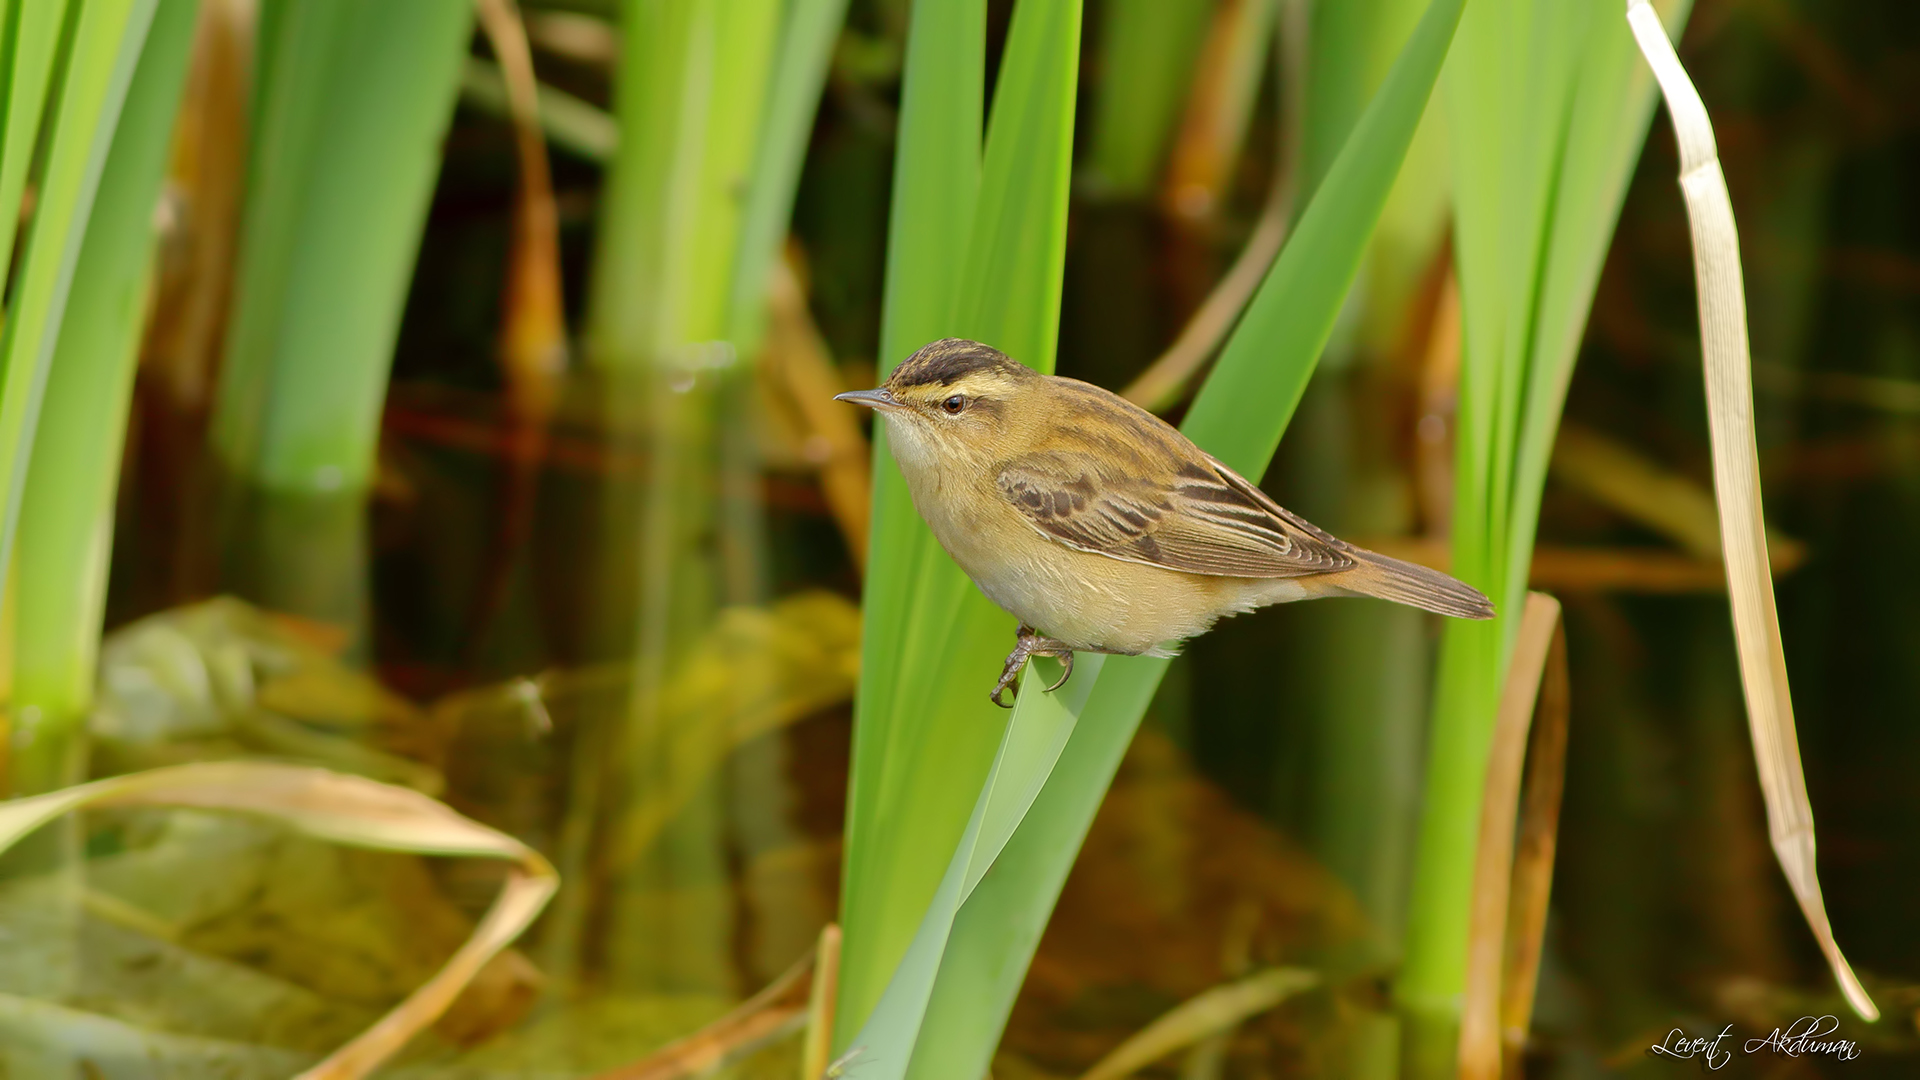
(1028, 645)
(1066, 671)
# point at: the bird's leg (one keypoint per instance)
(1017, 659)
(1031, 643)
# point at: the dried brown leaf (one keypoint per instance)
(348, 810)
(1736, 483)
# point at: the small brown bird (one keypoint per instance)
(1098, 525)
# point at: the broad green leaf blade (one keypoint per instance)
(1035, 738)
(1041, 726)
(886, 1040)
(996, 931)
(66, 522)
(922, 749)
(99, 66)
(887, 879)
(1265, 367)
(728, 95)
(353, 99)
(645, 213)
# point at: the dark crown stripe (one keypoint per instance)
(947, 361)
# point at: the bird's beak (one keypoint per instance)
(872, 399)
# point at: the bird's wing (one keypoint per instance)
(1200, 517)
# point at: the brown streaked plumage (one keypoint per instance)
(1099, 526)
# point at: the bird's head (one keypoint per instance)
(951, 403)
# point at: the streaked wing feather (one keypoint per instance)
(1204, 519)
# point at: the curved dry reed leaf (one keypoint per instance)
(1210, 1011)
(774, 1013)
(349, 810)
(1480, 1019)
(1164, 380)
(820, 998)
(1736, 484)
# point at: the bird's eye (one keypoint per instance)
(954, 404)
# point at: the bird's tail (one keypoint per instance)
(1414, 585)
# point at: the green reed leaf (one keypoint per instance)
(66, 518)
(924, 743)
(105, 45)
(982, 957)
(1147, 52)
(1549, 109)
(352, 101)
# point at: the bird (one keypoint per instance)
(1099, 526)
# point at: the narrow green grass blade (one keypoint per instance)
(799, 72)
(692, 92)
(1608, 122)
(1244, 407)
(354, 98)
(1549, 109)
(569, 123)
(29, 42)
(1268, 360)
(1010, 295)
(66, 522)
(99, 66)
(1147, 51)
(625, 324)
(1352, 46)
(738, 61)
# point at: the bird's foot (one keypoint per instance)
(1030, 644)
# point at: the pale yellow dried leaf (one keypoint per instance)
(1212, 1010)
(348, 810)
(1736, 484)
(1493, 861)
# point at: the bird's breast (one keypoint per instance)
(1088, 600)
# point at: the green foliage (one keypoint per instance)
(804, 50)
(1147, 52)
(29, 44)
(1026, 808)
(101, 51)
(352, 99)
(923, 743)
(66, 522)
(1351, 47)
(715, 101)
(1550, 105)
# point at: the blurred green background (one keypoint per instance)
(692, 785)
